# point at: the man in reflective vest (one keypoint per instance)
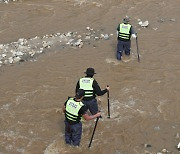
(91, 88)
(124, 33)
(74, 110)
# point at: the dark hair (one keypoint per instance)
(80, 93)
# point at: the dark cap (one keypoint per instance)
(80, 93)
(90, 71)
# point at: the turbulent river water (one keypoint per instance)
(144, 96)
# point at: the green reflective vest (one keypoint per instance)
(124, 31)
(72, 109)
(86, 84)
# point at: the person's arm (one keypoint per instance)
(77, 86)
(118, 28)
(64, 107)
(117, 33)
(83, 113)
(90, 117)
(132, 32)
(97, 89)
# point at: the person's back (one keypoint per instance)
(74, 110)
(91, 88)
(86, 83)
(124, 32)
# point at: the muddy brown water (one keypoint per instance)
(144, 97)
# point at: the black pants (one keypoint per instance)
(92, 106)
(123, 46)
(73, 133)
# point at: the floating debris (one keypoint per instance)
(177, 136)
(96, 38)
(161, 20)
(143, 24)
(106, 36)
(7, 1)
(155, 28)
(25, 49)
(87, 37)
(173, 20)
(157, 128)
(178, 146)
(88, 28)
(147, 145)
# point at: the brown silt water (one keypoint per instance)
(144, 96)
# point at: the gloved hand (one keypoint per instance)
(107, 87)
(134, 36)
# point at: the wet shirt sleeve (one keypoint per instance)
(83, 110)
(65, 103)
(77, 86)
(132, 31)
(118, 28)
(97, 89)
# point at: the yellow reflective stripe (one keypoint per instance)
(88, 94)
(70, 117)
(125, 37)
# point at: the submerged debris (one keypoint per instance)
(161, 20)
(7, 1)
(177, 136)
(25, 49)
